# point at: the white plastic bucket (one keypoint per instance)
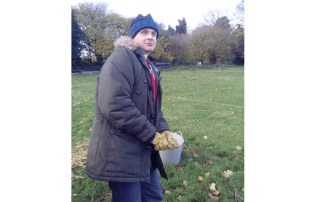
(173, 156)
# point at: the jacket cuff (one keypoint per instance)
(165, 130)
(148, 142)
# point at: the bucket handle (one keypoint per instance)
(178, 133)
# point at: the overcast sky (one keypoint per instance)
(169, 11)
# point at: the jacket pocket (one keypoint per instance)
(120, 133)
(141, 85)
(124, 155)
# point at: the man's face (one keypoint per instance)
(146, 39)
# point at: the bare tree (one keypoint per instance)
(212, 16)
(217, 19)
(239, 15)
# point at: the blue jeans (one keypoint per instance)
(138, 191)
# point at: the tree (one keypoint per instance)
(182, 27)
(92, 20)
(77, 38)
(162, 51)
(221, 43)
(101, 27)
(116, 26)
(171, 46)
(212, 44)
(239, 50)
(212, 16)
(222, 23)
(198, 43)
(177, 47)
(171, 30)
(240, 13)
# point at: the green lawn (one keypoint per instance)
(195, 102)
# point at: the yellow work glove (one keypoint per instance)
(164, 141)
(172, 142)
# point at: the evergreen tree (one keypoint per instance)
(171, 30)
(182, 27)
(222, 22)
(77, 37)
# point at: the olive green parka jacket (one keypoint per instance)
(126, 117)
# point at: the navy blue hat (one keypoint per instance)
(142, 22)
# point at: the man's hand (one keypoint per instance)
(164, 141)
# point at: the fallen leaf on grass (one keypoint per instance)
(205, 137)
(243, 189)
(207, 174)
(214, 190)
(167, 192)
(210, 162)
(216, 193)
(185, 182)
(213, 187)
(233, 158)
(189, 159)
(81, 122)
(215, 198)
(238, 148)
(200, 178)
(226, 173)
(197, 164)
(74, 194)
(179, 168)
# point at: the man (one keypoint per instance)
(129, 128)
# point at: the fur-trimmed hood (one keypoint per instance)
(126, 42)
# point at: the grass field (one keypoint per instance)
(195, 102)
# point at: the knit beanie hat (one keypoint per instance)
(142, 22)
